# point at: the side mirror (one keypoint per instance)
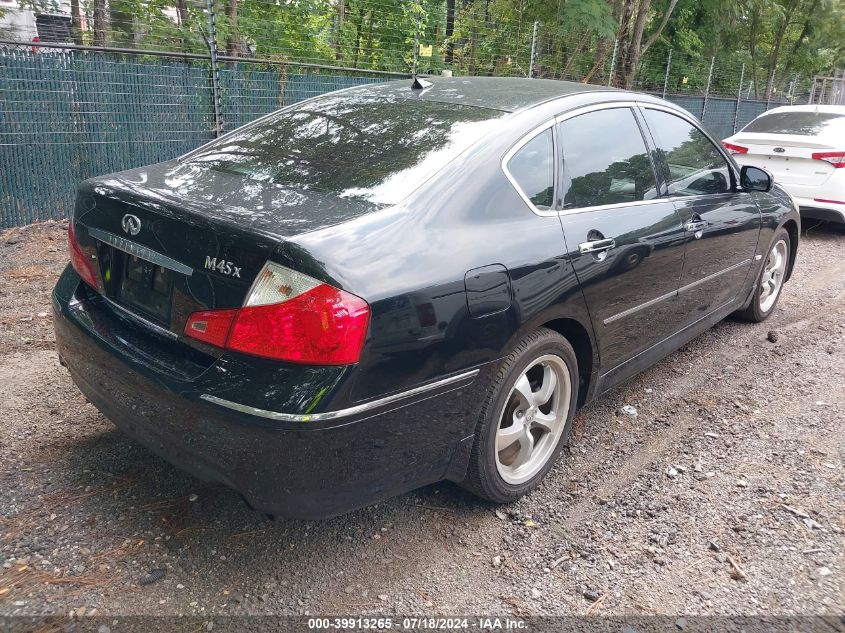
(755, 179)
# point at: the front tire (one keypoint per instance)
(525, 419)
(769, 283)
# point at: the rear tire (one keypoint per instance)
(525, 418)
(769, 284)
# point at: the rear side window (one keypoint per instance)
(800, 123)
(695, 167)
(605, 160)
(532, 167)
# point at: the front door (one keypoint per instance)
(722, 223)
(625, 243)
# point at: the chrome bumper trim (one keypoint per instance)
(342, 413)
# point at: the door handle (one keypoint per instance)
(694, 226)
(596, 246)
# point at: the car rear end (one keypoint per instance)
(803, 147)
(195, 319)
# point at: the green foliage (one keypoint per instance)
(494, 37)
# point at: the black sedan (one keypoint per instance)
(396, 284)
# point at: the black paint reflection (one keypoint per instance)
(353, 145)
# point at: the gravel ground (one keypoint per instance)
(723, 496)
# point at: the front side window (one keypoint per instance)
(532, 167)
(694, 164)
(605, 160)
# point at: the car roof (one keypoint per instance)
(508, 94)
(833, 109)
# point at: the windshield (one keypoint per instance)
(351, 145)
(799, 123)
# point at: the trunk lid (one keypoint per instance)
(787, 156)
(173, 239)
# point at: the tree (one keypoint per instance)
(634, 19)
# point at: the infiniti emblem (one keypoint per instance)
(131, 224)
(779, 150)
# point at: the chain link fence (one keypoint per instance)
(94, 86)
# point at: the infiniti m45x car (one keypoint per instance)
(398, 284)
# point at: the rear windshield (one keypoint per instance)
(801, 123)
(351, 145)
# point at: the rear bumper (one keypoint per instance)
(811, 208)
(285, 469)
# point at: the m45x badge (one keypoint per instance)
(222, 266)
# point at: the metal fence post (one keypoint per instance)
(739, 96)
(215, 71)
(613, 62)
(792, 87)
(533, 49)
(666, 78)
(707, 89)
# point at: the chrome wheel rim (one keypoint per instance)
(533, 419)
(773, 274)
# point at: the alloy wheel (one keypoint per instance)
(533, 419)
(773, 273)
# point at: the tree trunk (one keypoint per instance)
(752, 47)
(358, 28)
(450, 30)
(100, 22)
(603, 48)
(631, 59)
(233, 41)
(75, 22)
(338, 36)
(624, 47)
(602, 51)
(182, 12)
(805, 31)
(368, 47)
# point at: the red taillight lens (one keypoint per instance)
(78, 259)
(289, 316)
(837, 159)
(325, 326)
(735, 149)
(211, 327)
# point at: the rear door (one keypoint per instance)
(625, 242)
(721, 222)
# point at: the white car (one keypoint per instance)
(804, 149)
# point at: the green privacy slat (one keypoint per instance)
(69, 115)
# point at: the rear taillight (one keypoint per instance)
(735, 149)
(211, 326)
(289, 316)
(837, 159)
(78, 259)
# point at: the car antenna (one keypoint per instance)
(420, 84)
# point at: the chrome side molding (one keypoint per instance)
(341, 413)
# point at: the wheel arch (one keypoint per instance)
(579, 337)
(793, 230)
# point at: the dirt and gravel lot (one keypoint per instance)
(725, 495)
